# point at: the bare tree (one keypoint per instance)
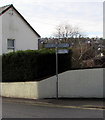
(67, 31)
(81, 50)
(63, 31)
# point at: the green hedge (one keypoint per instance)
(32, 65)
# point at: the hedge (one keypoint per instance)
(100, 61)
(32, 65)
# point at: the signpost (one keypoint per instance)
(50, 45)
(63, 51)
(60, 51)
(60, 45)
(63, 45)
(56, 72)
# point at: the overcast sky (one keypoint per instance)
(45, 15)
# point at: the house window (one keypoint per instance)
(11, 45)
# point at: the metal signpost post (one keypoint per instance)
(56, 71)
(60, 51)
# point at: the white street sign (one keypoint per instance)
(63, 51)
(60, 45)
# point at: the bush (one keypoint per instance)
(32, 65)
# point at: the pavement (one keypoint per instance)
(78, 103)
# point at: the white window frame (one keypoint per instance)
(11, 48)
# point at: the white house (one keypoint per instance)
(15, 32)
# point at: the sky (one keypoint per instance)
(45, 15)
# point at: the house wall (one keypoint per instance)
(73, 84)
(14, 27)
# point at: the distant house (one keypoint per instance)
(15, 32)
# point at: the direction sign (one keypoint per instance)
(62, 51)
(50, 45)
(63, 45)
(60, 45)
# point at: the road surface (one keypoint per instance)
(17, 109)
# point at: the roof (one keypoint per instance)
(7, 7)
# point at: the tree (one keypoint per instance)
(74, 36)
(65, 31)
(84, 49)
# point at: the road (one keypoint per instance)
(17, 109)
